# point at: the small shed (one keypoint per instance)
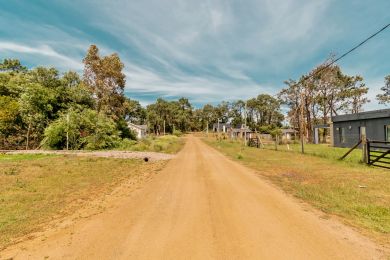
(140, 130)
(348, 129)
(241, 132)
(288, 134)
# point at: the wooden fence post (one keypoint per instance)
(364, 149)
(276, 142)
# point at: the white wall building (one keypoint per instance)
(140, 130)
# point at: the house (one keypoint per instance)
(221, 127)
(140, 130)
(240, 132)
(347, 130)
(288, 134)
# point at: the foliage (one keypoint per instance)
(177, 133)
(165, 144)
(11, 65)
(264, 111)
(124, 130)
(103, 132)
(134, 112)
(35, 109)
(172, 114)
(384, 98)
(36, 103)
(323, 93)
(105, 79)
(81, 129)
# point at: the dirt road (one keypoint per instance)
(202, 206)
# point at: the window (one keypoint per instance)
(387, 133)
(342, 136)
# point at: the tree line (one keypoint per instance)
(41, 107)
(323, 93)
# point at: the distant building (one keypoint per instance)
(221, 127)
(288, 134)
(140, 130)
(347, 130)
(241, 131)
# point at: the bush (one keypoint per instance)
(86, 129)
(177, 133)
(127, 144)
(125, 131)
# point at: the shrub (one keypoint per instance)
(177, 133)
(126, 144)
(85, 129)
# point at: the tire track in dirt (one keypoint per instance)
(203, 206)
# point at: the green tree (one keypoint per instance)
(35, 107)
(182, 111)
(134, 112)
(384, 98)
(81, 129)
(237, 112)
(9, 121)
(13, 65)
(104, 77)
(355, 94)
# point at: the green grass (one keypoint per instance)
(320, 150)
(22, 157)
(34, 189)
(358, 194)
(164, 144)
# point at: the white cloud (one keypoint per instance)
(206, 50)
(42, 50)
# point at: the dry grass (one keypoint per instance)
(170, 144)
(358, 194)
(36, 188)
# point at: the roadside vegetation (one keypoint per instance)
(43, 108)
(164, 144)
(320, 150)
(36, 189)
(356, 193)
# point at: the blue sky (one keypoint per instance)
(205, 50)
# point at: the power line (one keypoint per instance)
(348, 52)
(327, 66)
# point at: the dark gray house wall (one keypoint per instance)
(347, 128)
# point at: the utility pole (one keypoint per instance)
(164, 127)
(207, 129)
(301, 125)
(246, 102)
(67, 131)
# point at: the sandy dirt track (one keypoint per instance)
(202, 206)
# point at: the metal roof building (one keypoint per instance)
(348, 129)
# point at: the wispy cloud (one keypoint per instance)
(206, 50)
(43, 50)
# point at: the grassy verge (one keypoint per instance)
(358, 194)
(34, 189)
(164, 144)
(321, 150)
